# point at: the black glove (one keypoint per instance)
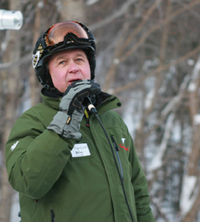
(76, 93)
(67, 121)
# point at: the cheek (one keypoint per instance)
(87, 72)
(60, 84)
(58, 79)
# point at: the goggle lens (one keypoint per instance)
(57, 33)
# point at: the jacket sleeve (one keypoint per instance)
(35, 157)
(140, 186)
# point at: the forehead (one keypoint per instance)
(68, 52)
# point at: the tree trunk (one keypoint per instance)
(33, 82)
(194, 155)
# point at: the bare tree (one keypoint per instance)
(147, 55)
(11, 91)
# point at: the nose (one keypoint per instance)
(73, 68)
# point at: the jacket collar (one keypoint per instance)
(51, 102)
(105, 102)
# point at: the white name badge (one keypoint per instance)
(80, 150)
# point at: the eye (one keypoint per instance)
(79, 59)
(61, 62)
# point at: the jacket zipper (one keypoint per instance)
(118, 157)
(122, 176)
(52, 216)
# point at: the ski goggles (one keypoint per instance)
(57, 33)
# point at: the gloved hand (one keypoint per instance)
(67, 121)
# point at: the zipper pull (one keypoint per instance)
(87, 118)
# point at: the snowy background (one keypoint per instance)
(148, 54)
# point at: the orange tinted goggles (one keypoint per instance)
(57, 32)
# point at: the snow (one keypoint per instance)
(116, 61)
(157, 160)
(188, 196)
(170, 105)
(91, 2)
(176, 133)
(148, 64)
(195, 75)
(192, 87)
(3, 46)
(40, 4)
(128, 116)
(149, 99)
(26, 101)
(190, 62)
(15, 208)
(197, 119)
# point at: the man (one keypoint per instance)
(71, 158)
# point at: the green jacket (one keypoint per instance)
(66, 180)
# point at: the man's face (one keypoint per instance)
(68, 66)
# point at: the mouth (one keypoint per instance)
(74, 80)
